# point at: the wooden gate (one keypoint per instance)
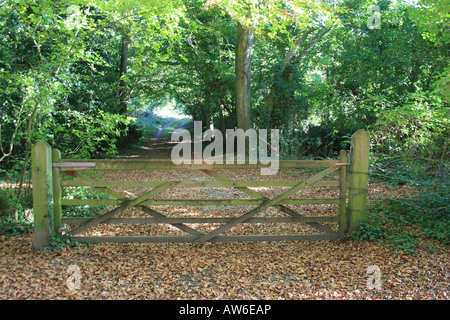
(51, 174)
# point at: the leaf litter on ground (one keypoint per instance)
(227, 270)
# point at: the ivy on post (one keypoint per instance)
(358, 179)
(42, 179)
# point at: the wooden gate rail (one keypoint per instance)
(152, 164)
(145, 220)
(49, 172)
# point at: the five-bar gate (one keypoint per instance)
(51, 174)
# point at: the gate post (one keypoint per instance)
(358, 179)
(342, 194)
(57, 208)
(42, 179)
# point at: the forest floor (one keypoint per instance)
(239, 270)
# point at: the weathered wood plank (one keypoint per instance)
(197, 202)
(192, 220)
(57, 191)
(178, 225)
(57, 164)
(42, 179)
(131, 239)
(342, 194)
(288, 237)
(316, 224)
(192, 184)
(92, 202)
(237, 238)
(150, 164)
(358, 179)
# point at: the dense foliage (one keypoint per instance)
(73, 72)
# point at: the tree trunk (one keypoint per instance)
(123, 96)
(27, 154)
(244, 54)
(308, 45)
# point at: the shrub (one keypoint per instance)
(12, 219)
(10, 227)
(59, 241)
(133, 133)
(370, 230)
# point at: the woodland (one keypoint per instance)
(81, 75)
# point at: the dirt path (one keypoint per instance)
(153, 148)
(158, 134)
(157, 147)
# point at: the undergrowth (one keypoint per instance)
(60, 241)
(404, 222)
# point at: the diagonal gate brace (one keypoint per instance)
(266, 204)
(122, 207)
(256, 195)
(145, 209)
